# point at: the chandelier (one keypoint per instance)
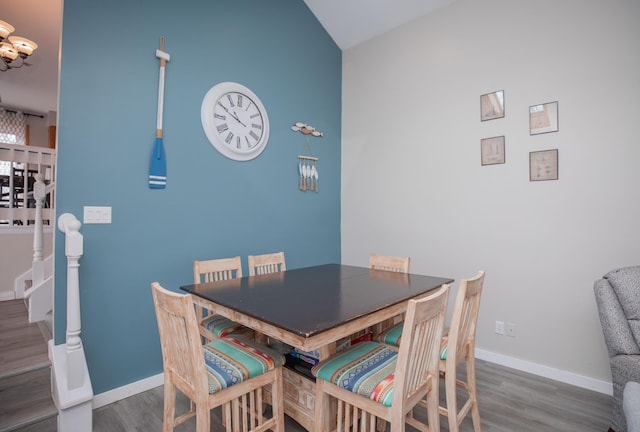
(13, 49)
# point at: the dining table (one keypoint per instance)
(310, 309)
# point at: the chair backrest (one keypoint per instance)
(418, 359)
(462, 332)
(267, 263)
(390, 263)
(180, 341)
(618, 300)
(217, 269)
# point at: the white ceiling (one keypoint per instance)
(351, 22)
(35, 87)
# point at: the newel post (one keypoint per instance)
(68, 224)
(37, 267)
(71, 383)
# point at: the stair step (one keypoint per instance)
(22, 345)
(47, 425)
(25, 399)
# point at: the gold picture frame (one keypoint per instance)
(543, 165)
(492, 150)
(492, 105)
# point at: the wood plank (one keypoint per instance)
(509, 401)
(22, 345)
(25, 399)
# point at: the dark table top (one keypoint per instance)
(311, 300)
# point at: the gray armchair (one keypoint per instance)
(631, 403)
(618, 299)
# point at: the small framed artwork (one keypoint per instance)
(543, 165)
(492, 150)
(492, 105)
(543, 118)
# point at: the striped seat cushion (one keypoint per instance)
(444, 342)
(236, 359)
(366, 369)
(393, 335)
(221, 326)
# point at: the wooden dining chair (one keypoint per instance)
(374, 382)
(458, 346)
(389, 263)
(394, 264)
(267, 263)
(229, 372)
(216, 326)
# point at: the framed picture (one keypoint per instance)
(543, 165)
(492, 105)
(492, 150)
(543, 118)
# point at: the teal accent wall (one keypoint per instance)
(213, 207)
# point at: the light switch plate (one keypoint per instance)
(97, 215)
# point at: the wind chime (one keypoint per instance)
(307, 163)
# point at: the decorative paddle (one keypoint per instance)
(158, 166)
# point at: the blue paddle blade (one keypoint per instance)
(158, 167)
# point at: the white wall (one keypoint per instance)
(16, 245)
(39, 131)
(16, 256)
(413, 183)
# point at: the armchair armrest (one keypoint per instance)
(615, 327)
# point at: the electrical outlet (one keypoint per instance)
(500, 327)
(511, 329)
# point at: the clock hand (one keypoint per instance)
(232, 114)
(235, 116)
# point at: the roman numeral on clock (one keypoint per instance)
(222, 128)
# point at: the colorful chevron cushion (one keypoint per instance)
(221, 326)
(393, 335)
(235, 359)
(366, 369)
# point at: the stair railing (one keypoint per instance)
(40, 292)
(72, 390)
(17, 166)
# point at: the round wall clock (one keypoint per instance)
(235, 121)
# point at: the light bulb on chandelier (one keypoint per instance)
(13, 49)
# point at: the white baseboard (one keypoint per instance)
(7, 295)
(125, 391)
(134, 388)
(546, 372)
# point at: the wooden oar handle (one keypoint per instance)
(163, 62)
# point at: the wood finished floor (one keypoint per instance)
(510, 401)
(25, 375)
(22, 346)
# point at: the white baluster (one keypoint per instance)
(37, 267)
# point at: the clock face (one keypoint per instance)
(235, 121)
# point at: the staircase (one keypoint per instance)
(25, 372)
